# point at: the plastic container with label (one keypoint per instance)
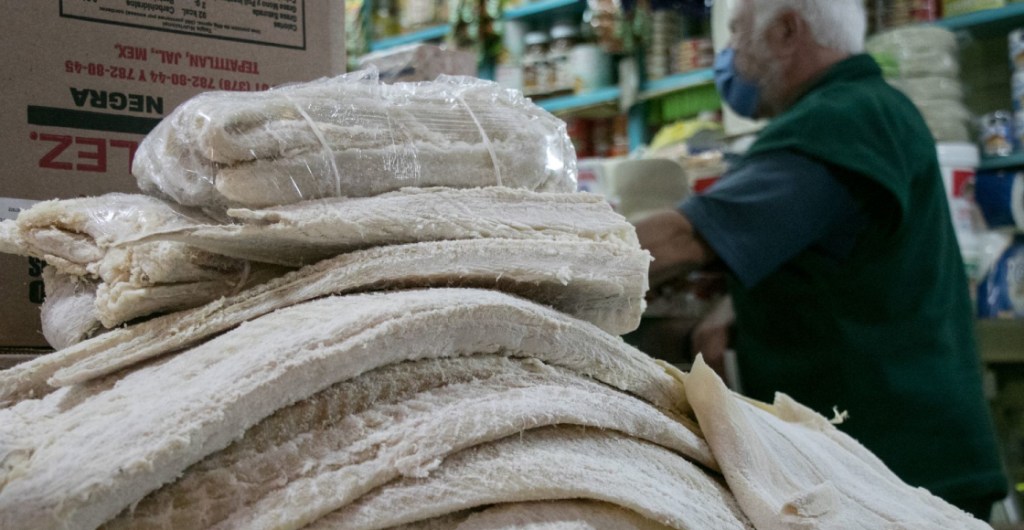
(591, 67)
(958, 163)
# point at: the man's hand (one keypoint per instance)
(677, 249)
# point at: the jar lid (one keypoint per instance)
(535, 37)
(565, 31)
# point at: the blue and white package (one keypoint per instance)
(1001, 295)
(1000, 195)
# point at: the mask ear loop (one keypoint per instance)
(323, 143)
(487, 141)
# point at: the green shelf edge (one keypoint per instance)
(568, 104)
(435, 32)
(543, 7)
(1013, 161)
(991, 21)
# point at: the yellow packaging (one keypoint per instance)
(952, 8)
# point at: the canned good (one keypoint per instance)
(997, 138)
(1016, 47)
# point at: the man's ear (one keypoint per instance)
(788, 33)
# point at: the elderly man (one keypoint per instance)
(847, 282)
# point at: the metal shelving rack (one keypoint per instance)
(575, 103)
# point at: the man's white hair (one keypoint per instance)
(836, 24)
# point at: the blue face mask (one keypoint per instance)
(740, 94)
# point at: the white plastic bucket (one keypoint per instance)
(958, 163)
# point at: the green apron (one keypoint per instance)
(887, 334)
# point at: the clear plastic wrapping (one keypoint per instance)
(94, 242)
(913, 43)
(923, 62)
(352, 136)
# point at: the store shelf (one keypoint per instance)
(1001, 341)
(432, 33)
(989, 21)
(578, 102)
(1002, 162)
(546, 9)
(676, 83)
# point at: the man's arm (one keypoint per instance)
(677, 248)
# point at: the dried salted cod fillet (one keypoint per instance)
(81, 466)
(352, 136)
(599, 282)
(11, 241)
(791, 469)
(307, 232)
(545, 515)
(553, 463)
(92, 237)
(68, 313)
(402, 419)
(79, 231)
(211, 277)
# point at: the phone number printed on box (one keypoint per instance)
(278, 23)
(162, 78)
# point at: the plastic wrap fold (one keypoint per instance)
(352, 136)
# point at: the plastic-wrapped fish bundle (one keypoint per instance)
(923, 62)
(352, 136)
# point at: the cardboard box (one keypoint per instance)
(85, 80)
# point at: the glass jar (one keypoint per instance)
(536, 69)
(564, 36)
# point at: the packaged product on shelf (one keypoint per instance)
(419, 62)
(692, 54)
(620, 135)
(292, 143)
(915, 51)
(1017, 90)
(884, 14)
(415, 14)
(996, 135)
(509, 75)
(1000, 195)
(513, 40)
(536, 68)
(606, 21)
(1015, 42)
(591, 67)
(1001, 295)
(580, 133)
(952, 8)
(923, 62)
(385, 19)
(601, 137)
(664, 34)
(564, 36)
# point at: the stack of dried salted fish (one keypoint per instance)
(444, 358)
(366, 138)
(352, 136)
